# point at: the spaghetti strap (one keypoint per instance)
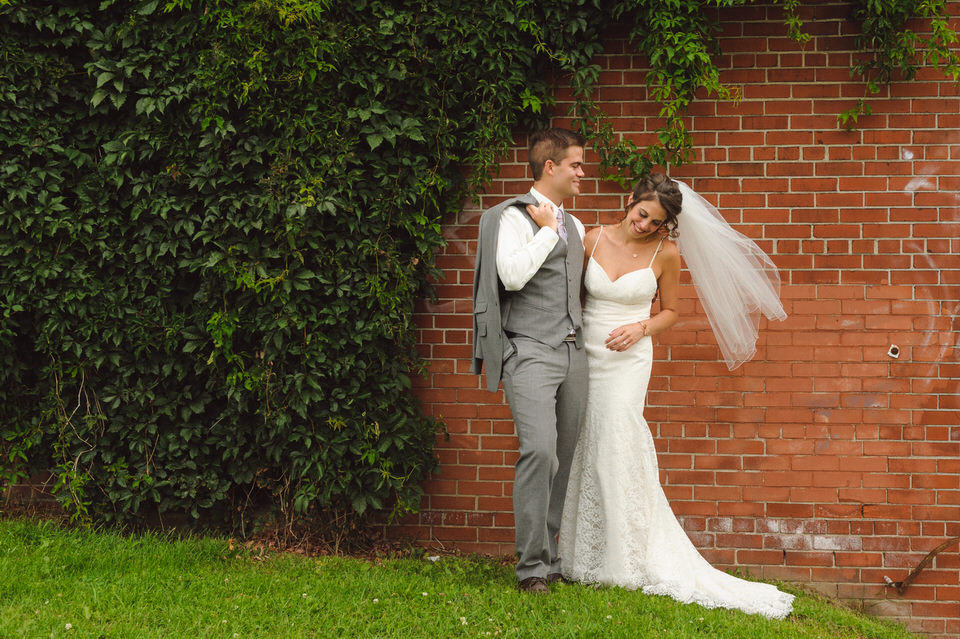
(597, 244)
(655, 253)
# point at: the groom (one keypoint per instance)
(527, 330)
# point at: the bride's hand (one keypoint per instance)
(622, 338)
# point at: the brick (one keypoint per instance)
(441, 502)
(859, 559)
(800, 558)
(764, 558)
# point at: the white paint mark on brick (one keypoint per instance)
(720, 524)
(919, 183)
(791, 542)
(769, 525)
(837, 542)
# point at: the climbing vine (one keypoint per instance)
(895, 51)
(678, 38)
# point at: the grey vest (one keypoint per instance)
(548, 306)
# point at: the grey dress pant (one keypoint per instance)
(547, 391)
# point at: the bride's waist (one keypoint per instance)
(610, 311)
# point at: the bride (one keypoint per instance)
(617, 527)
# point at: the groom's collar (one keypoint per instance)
(540, 197)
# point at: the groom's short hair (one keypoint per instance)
(550, 144)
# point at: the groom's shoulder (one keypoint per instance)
(517, 201)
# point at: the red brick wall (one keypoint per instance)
(823, 461)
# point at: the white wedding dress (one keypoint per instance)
(617, 527)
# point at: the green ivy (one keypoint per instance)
(678, 39)
(217, 217)
(897, 52)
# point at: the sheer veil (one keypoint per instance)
(735, 280)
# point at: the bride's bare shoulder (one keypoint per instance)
(669, 247)
(669, 253)
(593, 234)
(590, 239)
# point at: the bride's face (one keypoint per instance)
(644, 217)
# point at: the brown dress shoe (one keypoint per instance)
(533, 584)
(554, 577)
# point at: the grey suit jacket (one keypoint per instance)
(489, 343)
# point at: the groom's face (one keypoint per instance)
(565, 176)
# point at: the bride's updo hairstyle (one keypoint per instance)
(659, 187)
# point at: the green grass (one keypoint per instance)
(107, 585)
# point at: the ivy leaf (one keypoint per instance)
(105, 77)
(374, 140)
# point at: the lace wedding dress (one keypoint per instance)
(617, 527)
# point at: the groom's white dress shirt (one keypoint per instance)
(520, 251)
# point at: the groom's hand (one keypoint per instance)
(544, 215)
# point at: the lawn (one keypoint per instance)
(57, 582)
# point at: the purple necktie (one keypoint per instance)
(561, 229)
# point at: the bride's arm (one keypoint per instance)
(669, 284)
